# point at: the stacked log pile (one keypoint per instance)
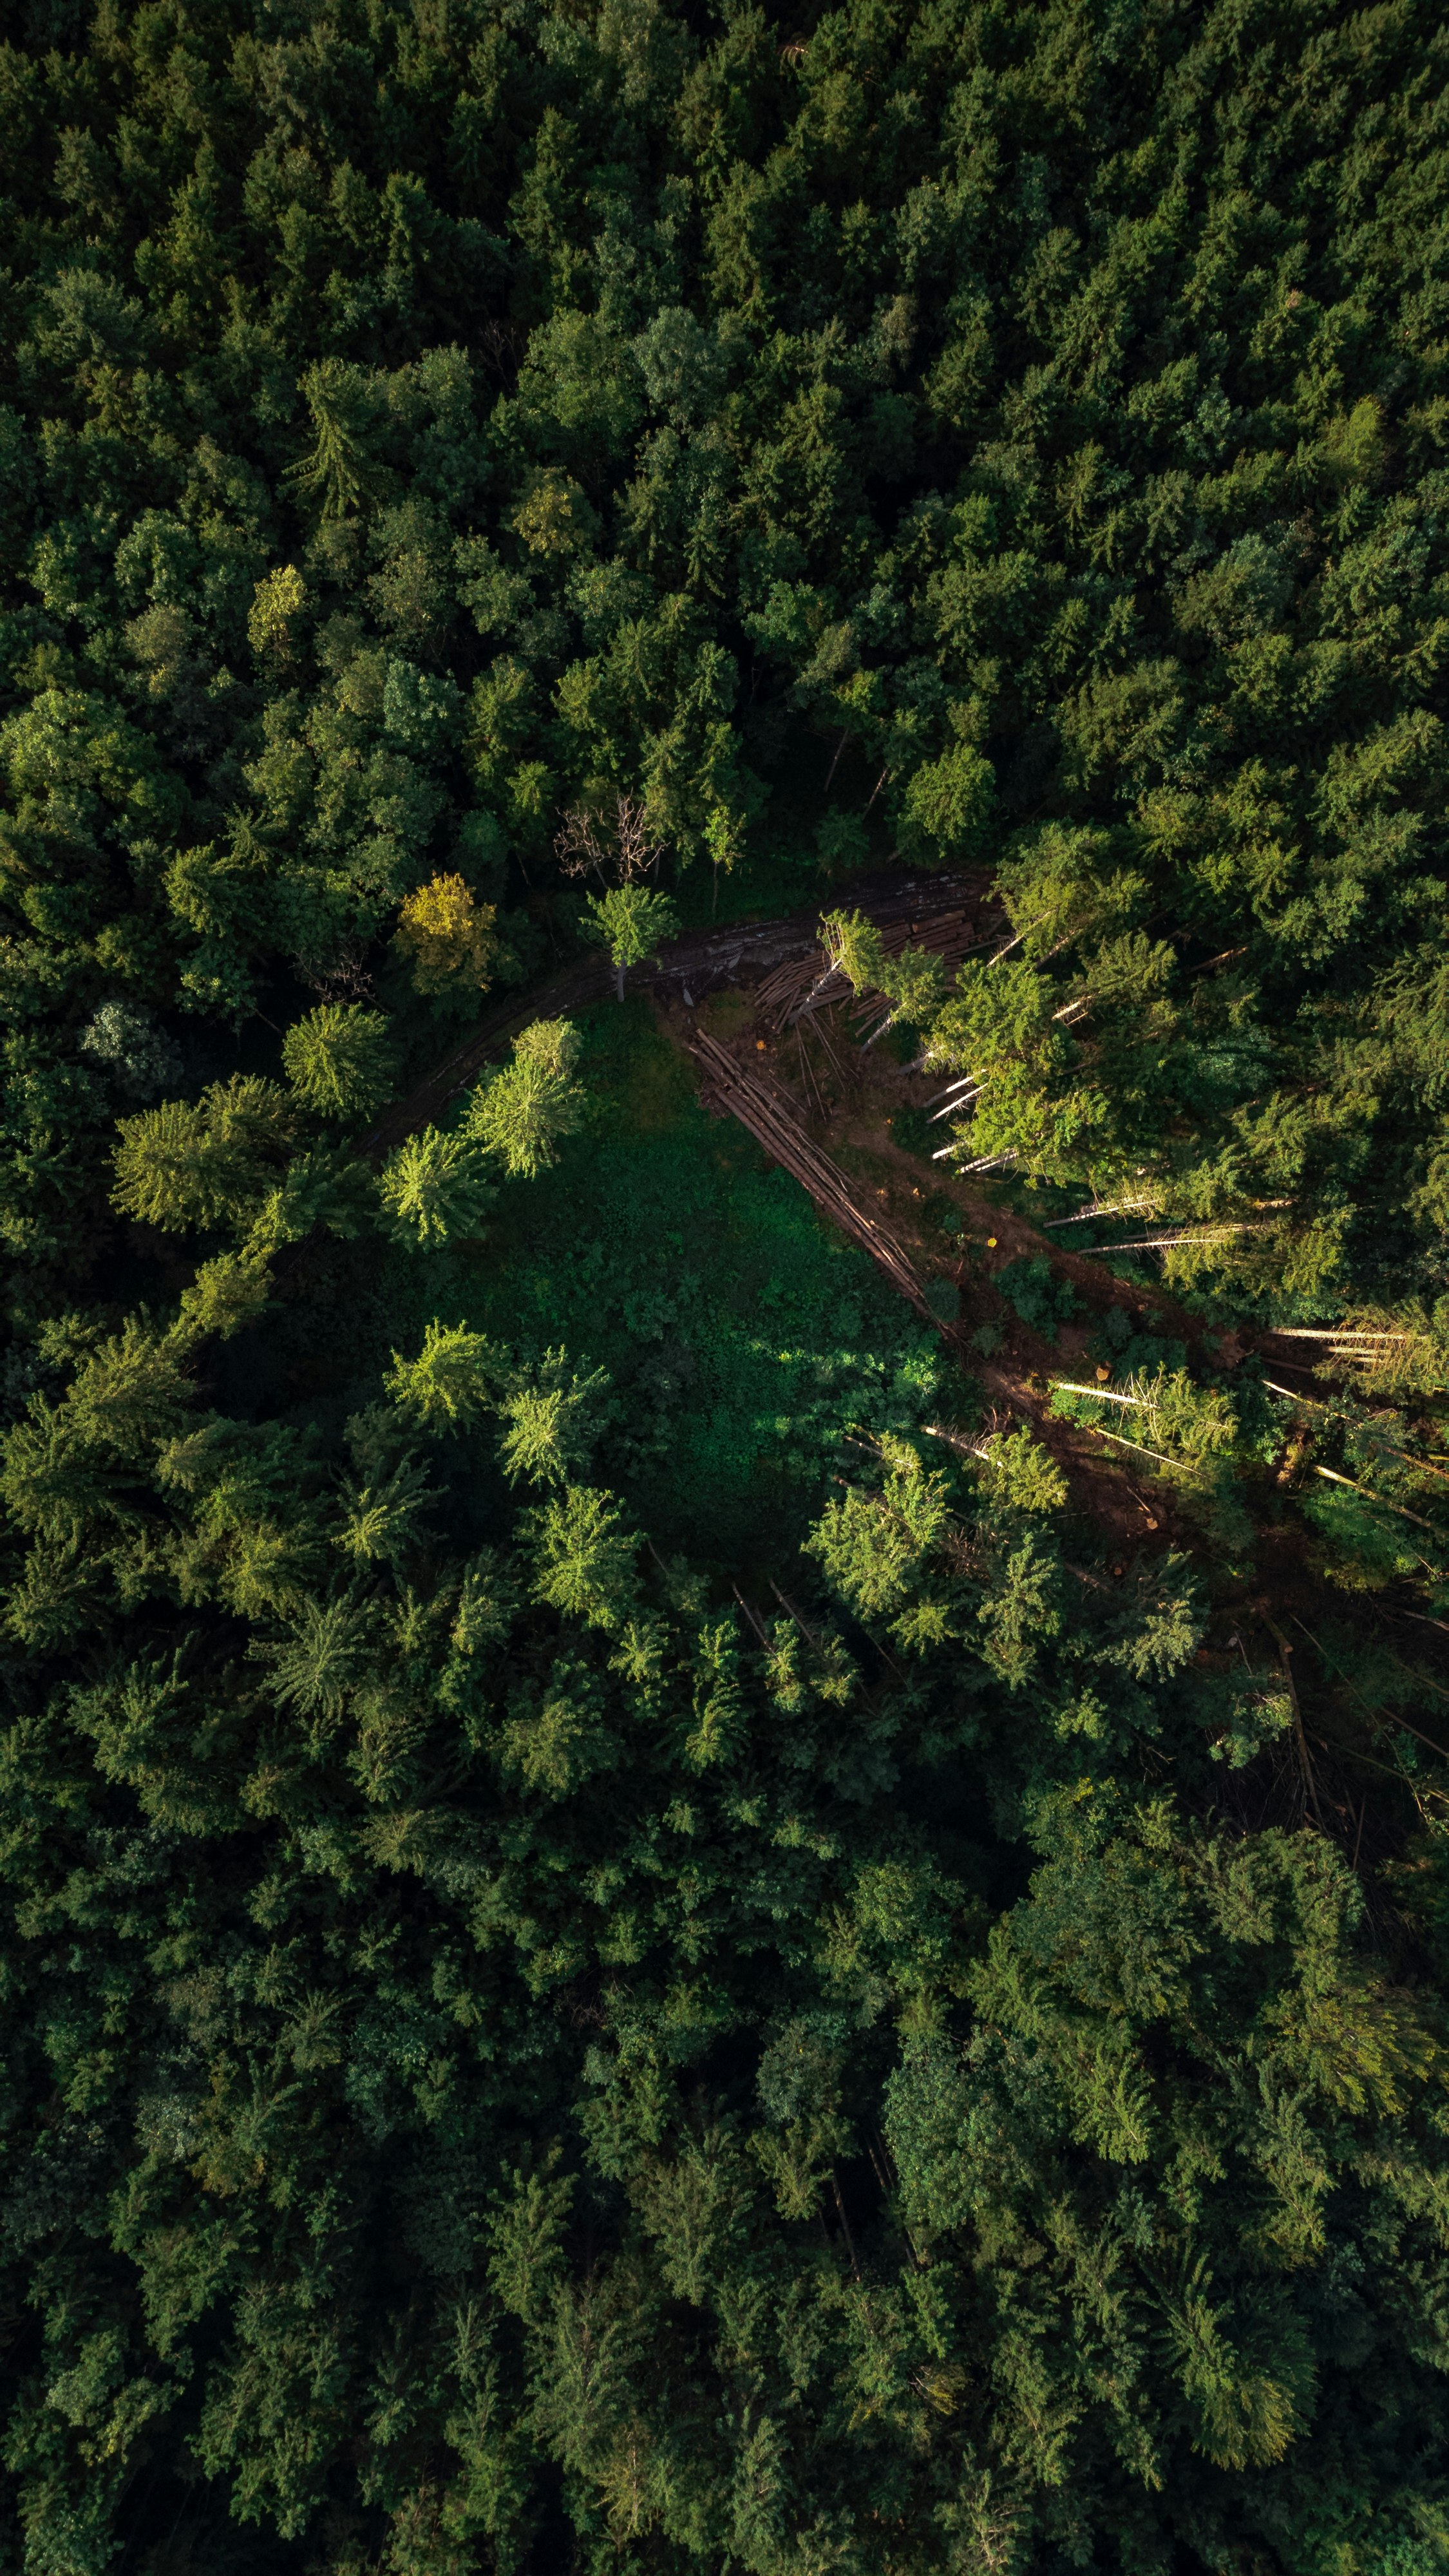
(805, 985)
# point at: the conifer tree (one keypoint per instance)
(205, 1163)
(584, 1556)
(518, 1113)
(450, 1379)
(339, 1062)
(434, 1188)
(550, 1415)
(631, 923)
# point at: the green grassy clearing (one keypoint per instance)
(741, 1337)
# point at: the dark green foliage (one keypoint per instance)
(1035, 1294)
(911, 1129)
(918, 408)
(483, 2015)
(622, 1945)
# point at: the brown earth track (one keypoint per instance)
(700, 963)
(772, 1117)
(800, 990)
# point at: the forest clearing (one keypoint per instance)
(724, 1340)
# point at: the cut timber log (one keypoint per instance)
(774, 1125)
(811, 984)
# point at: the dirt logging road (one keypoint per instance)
(783, 957)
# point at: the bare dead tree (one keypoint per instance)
(344, 978)
(639, 846)
(579, 846)
(616, 847)
(499, 345)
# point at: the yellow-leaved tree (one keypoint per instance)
(448, 937)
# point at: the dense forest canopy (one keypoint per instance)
(627, 1940)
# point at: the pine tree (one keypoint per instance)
(552, 1421)
(207, 1163)
(517, 1114)
(338, 474)
(583, 1556)
(450, 1382)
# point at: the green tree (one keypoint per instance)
(339, 1061)
(631, 923)
(1234, 2382)
(205, 1163)
(871, 1543)
(228, 1292)
(552, 1421)
(518, 1112)
(339, 473)
(583, 1556)
(946, 809)
(434, 1188)
(450, 1382)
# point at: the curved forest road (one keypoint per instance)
(701, 962)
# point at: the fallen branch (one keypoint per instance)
(774, 1126)
(1341, 1333)
(1165, 1242)
(984, 1162)
(1098, 1394)
(1109, 1207)
(1099, 1432)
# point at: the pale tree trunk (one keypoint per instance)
(619, 981)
